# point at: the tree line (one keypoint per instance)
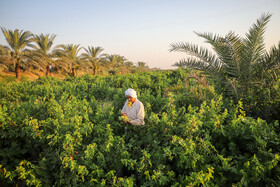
(27, 50)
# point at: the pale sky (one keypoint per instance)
(140, 30)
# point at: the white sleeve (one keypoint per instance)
(140, 116)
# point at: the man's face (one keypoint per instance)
(131, 99)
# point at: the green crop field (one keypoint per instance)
(67, 133)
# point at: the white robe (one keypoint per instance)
(136, 113)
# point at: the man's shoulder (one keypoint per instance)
(139, 102)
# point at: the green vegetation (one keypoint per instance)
(68, 133)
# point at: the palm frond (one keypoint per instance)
(223, 47)
(17, 40)
(255, 38)
(254, 50)
(201, 53)
(269, 65)
(43, 43)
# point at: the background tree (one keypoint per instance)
(4, 56)
(69, 55)
(4, 50)
(42, 51)
(93, 56)
(116, 64)
(141, 66)
(18, 41)
(238, 61)
(129, 64)
(115, 60)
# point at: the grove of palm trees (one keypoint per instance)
(27, 51)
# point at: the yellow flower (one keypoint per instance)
(129, 103)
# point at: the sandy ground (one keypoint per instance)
(27, 75)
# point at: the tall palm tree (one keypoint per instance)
(18, 41)
(93, 56)
(237, 62)
(42, 50)
(70, 55)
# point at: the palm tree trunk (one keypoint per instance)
(94, 70)
(48, 70)
(18, 72)
(73, 73)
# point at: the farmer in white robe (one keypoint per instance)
(133, 108)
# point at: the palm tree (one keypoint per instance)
(141, 64)
(69, 54)
(129, 64)
(43, 54)
(115, 60)
(18, 41)
(238, 61)
(93, 56)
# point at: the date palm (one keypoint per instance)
(42, 51)
(18, 41)
(69, 54)
(115, 60)
(129, 64)
(93, 56)
(238, 61)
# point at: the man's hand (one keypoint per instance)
(124, 114)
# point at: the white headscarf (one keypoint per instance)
(130, 92)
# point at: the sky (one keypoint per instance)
(139, 30)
